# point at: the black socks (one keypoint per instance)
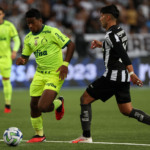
(86, 117)
(140, 116)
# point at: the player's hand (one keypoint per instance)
(96, 43)
(63, 71)
(136, 80)
(20, 61)
(13, 55)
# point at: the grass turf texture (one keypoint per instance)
(108, 124)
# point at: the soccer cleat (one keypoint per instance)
(36, 139)
(7, 110)
(83, 139)
(59, 112)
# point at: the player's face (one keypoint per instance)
(103, 20)
(34, 24)
(1, 16)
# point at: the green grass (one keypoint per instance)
(108, 125)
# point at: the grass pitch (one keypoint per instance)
(108, 125)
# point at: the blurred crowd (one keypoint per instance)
(76, 17)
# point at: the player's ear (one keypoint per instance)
(41, 20)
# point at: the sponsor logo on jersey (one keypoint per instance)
(46, 32)
(60, 37)
(51, 84)
(2, 38)
(39, 53)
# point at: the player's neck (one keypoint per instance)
(110, 24)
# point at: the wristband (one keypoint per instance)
(65, 63)
(130, 73)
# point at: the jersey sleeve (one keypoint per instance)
(118, 48)
(59, 38)
(14, 35)
(13, 31)
(26, 49)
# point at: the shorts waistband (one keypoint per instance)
(44, 72)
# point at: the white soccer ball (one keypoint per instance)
(12, 136)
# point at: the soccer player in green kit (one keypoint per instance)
(46, 43)
(8, 32)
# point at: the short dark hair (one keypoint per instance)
(2, 9)
(33, 13)
(110, 9)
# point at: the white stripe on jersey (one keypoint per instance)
(123, 76)
(105, 73)
(114, 75)
(107, 54)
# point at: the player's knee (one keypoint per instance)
(125, 112)
(83, 100)
(42, 108)
(45, 108)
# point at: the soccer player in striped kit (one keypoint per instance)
(116, 78)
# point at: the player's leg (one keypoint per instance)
(46, 101)
(125, 106)
(128, 110)
(36, 121)
(51, 89)
(99, 89)
(36, 89)
(85, 118)
(5, 69)
(7, 89)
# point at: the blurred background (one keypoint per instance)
(79, 19)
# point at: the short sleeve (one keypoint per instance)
(26, 49)
(59, 38)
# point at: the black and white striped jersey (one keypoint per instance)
(115, 55)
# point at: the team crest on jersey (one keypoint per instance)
(35, 42)
(44, 41)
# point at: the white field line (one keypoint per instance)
(105, 143)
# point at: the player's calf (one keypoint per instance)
(140, 116)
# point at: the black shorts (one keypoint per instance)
(104, 89)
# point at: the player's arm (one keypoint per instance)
(16, 47)
(120, 51)
(70, 51)
(64, 68)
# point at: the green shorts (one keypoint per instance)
(5, 67)
(43, 81)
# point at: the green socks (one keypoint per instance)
(57, 103)
(7, 88)
(37, 124)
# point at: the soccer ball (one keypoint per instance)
(12, 136)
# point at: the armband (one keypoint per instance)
(65, 63)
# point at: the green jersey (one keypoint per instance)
(47, 47)
(7, 32)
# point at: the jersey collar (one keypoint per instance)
(112, 27)
(39, 31)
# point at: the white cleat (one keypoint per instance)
(82, 139)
